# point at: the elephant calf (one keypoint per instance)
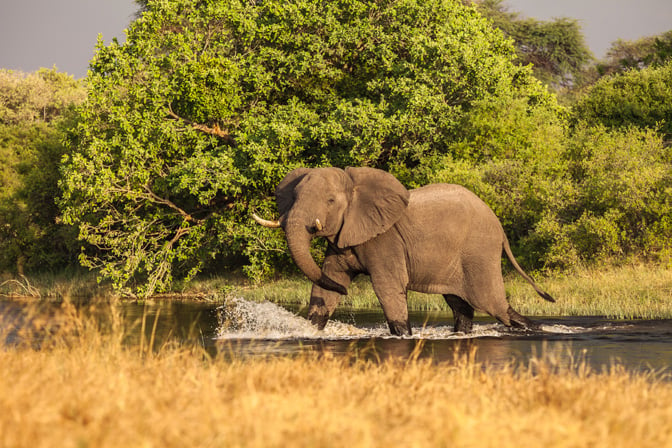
(439, 239)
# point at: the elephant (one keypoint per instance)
(436, 239)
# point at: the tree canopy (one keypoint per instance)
(208, 104)
(33, 111)
(42, 96)
(641, 98)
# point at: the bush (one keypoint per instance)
(622, 203)
(34, 111)
(641, 98)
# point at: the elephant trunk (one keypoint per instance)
(298, 241)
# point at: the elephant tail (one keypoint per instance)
(507, 250)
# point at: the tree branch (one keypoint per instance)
(187, 217)
(215, 130)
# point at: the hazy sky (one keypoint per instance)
(44, 33)
(603, 21)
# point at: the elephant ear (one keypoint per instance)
(378, 201)
(284, 193)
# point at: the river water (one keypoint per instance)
(250, 329)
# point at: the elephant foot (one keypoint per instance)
(518, 321)
(400, 328)
(463, 324)
(463, 313)
(318, 319)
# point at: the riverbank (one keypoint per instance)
(635, 291)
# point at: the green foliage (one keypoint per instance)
(207, 105)
(621, 203)
(33, 108)
(640, 98)
(193, 121)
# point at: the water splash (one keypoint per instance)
(562, 329)
(242, 319)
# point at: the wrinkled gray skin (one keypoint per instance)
(439, 239)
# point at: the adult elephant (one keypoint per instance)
(438, 239)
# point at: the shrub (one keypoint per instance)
(34, 111)
(622, 205)
(641, 98)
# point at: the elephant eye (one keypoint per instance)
(331, 201)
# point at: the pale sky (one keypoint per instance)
(44, 33)
(603, 21)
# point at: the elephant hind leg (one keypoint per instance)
(463, 313)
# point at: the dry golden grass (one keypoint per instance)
(84, 388)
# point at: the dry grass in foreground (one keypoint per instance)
(85, 388)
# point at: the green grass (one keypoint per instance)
(78, 283)
(625, 292)
(296, 291)
(629, 291)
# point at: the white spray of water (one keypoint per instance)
(242, 319)
(561, 329)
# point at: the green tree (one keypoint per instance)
(619, 204)
(208, 104)
(36, 97)
(33, 107)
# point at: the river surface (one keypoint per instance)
(249, 329)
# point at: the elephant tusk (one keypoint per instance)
(318, 225)
(265, 222)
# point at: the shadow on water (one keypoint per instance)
(249, 329)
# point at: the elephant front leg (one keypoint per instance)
(322, 305)
(323, 302)
(396, 313)
(400, 326)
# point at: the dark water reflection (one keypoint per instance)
(254, 330)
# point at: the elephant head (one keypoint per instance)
(348, 207)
